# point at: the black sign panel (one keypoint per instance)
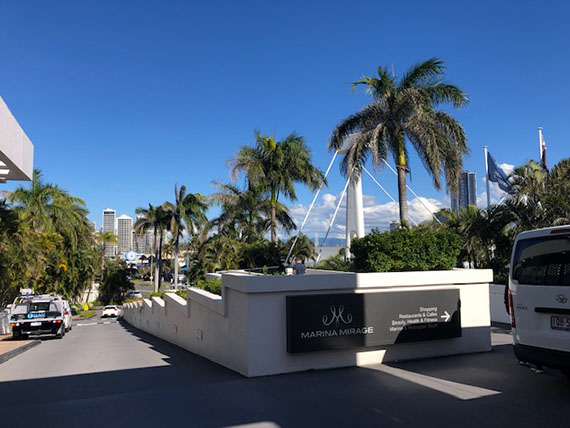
(345, 321)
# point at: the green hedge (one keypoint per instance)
(404, 250)
(211, 285)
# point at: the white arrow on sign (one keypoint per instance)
(446, 316)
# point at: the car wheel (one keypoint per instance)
(566, 372)
(61, 333)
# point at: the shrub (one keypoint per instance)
(404, 250)
(211, 285)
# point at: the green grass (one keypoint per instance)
(141, 282)
(87, 314)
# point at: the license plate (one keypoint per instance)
(35, 324)
(560, 323)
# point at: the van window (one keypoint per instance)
(542, 261)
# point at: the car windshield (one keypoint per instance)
(543, 261)
(110, 307)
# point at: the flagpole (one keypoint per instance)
(540, 143)
(487, 178)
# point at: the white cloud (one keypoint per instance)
(376, 215)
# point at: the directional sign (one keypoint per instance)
(345, 321)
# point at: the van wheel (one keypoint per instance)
(16, 335)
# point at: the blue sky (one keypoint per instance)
(124, 99)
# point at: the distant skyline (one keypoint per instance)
(124, 99)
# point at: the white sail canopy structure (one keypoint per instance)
(16, 149)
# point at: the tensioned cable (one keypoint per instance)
(412, 192)
(386, 192)
(311, 207)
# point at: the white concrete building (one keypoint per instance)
(125, 233)
(16, 149)
(110, 225)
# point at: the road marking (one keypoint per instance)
(455, 389)
(95, 323)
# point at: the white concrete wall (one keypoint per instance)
(245, 329)
(497, 297)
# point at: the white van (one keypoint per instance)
(539, 297)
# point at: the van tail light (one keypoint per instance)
(14, 324)
(512, 310)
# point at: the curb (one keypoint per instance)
(15, 352)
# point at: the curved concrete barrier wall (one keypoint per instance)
(245, 329)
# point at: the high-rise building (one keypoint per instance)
(144, 243)
(109, 225)
(466, 194)
(125, 233)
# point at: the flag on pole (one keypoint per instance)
(498, 175)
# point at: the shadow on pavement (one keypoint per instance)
(193, 392)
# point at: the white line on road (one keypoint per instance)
(455, 389)
(94, 323)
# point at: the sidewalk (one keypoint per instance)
(10, 348)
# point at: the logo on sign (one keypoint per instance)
(561, 298)
(336, 316)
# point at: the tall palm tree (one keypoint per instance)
(153, 218)
(247, 214)
(401, 112)
(275, 167)
(187, 210)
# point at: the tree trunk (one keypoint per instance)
(159, 261)
(176, 263)
(402, 193)
(273, 223)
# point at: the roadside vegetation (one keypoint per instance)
(46, 242)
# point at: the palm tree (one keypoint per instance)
(246, 214)
(156, 219)
(103, 239)
(48, 208)
(188, 209)
(274, 167)
(403, 112)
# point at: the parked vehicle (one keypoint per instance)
(112, 311)
(37, 315)
(133, 294)
(67, 320)
(539, 297)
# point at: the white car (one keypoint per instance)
(112, 311)
(134, 294)
(67, 315)
(539, 297)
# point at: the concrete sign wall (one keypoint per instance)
(348, 321)
(16, 149)
(263, 325)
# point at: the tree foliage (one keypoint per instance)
(46, 242)
(405, 111)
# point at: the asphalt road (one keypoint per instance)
(113, 375)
